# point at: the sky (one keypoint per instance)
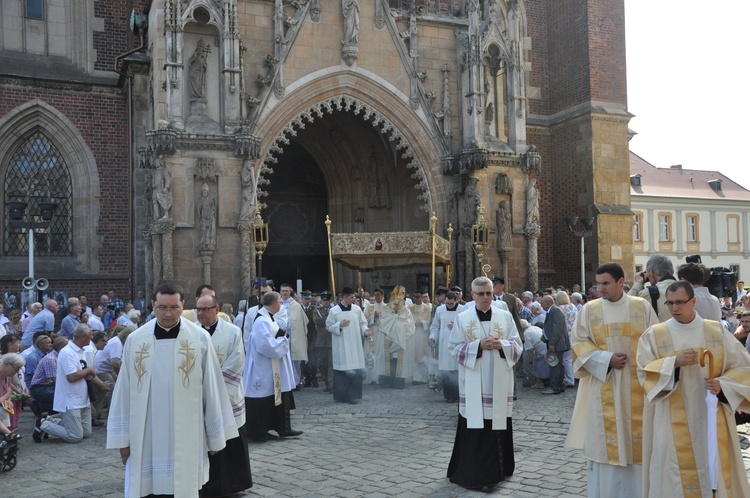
(689, 84)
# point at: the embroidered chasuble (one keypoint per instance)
(607, 422)
(676, 450)
(169, 386)
(485, 379)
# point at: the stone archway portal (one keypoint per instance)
(341, 165)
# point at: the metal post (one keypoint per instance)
(583, 265)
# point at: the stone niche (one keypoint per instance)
(202, 86)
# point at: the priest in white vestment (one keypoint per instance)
(170, 406)
(229, 468)
(691, 446)
(421, 313)
(347, 325)
(607, 417)
(397, 329)
(487, 345)
(268, 376)
(375, 343)
(296, 327)
(440, 331)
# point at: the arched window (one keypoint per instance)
(37, 172)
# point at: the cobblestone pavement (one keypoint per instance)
(394, 443)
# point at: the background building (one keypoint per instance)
(377, 113)
(680, 212)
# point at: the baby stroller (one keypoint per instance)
(8, 451)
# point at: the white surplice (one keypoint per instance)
(421, 314)
(440, 332)
(347, 341)
(171, 407)
(263, 348)
(227, 340)
(485, 383)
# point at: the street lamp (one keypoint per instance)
(588, 225)
(16, 210)
(260, 240)
(480, 233)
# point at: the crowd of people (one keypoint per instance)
(632, 353)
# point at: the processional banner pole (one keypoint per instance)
(330, 254)
(433, 221)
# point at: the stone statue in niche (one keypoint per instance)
(532, 203)
(198, 121)
(197, 70)
(503, 225)
(247, 178)
(207, 217)
(350, 50)
(161, 190)
(350, 9)
(378, 189)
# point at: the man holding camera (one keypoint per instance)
(659, 275)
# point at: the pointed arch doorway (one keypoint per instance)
(340, 165)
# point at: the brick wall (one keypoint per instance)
(116, 38)
(102, 121)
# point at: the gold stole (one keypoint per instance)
(680, 427)
(633, 330)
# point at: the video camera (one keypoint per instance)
(723, 281)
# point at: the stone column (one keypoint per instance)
(163, 257)
(532, 232)
(247, 257)
(206, 257)
(148, 264)
(156, 274)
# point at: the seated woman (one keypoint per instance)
(10, 365)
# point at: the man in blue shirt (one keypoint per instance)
(44, 321)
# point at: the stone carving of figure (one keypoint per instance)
(350, 9)
(471, 201)
(197, 70)
(207, 216)
(379, 192)
(503, 225)
(247, 178)
(532, 203)
(161, 190)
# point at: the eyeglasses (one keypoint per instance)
(676, 303)
(206, 309)
(483, 294)
(171, 309)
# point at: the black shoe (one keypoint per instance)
(37, 434)
(315, 383)
(353, 402)
(291, 434)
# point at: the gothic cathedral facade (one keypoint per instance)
(161, 129)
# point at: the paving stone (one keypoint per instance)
(395, 443)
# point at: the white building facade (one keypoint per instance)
(679, 213)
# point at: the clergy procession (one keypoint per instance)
(197, 394)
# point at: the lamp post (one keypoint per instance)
(260, 241)
(587, 224)
(15, 215)
(480, 238)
